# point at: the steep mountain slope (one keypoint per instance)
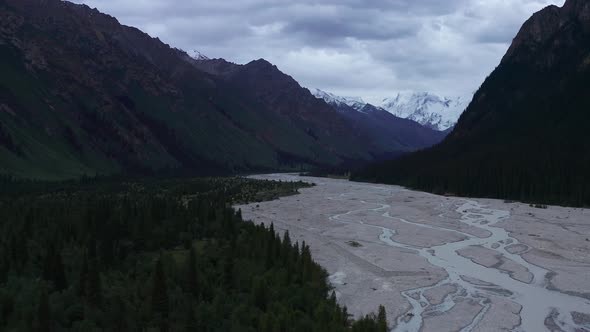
(429, 110)
(284, 100)
(525, 134)
(382, 127)
(82, 94)
(356, 103)
(440, 113)
(375, 132)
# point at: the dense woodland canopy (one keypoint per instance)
(157, 255)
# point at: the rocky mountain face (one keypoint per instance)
(82, 94)
(433, 111)
(430, 110)
(381, 125)
(388, 137)
(524, 135)
(356, 103)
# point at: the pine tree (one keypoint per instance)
(4, 268)
(83, 279)
(59, 275)
(382, 320)
(53, 269)
(228, 272)
(190, 324)
(93, 282)
(344, 316)
(270, 247)
(287, 246)
(160, 305)
(192, 281)
(43, 314)
(260, 293)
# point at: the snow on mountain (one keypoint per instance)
(355, 102)
(430, 110)
(198, 55)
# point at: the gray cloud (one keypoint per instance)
(365, 48)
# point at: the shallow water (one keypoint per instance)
(536, 300)
(475, 284)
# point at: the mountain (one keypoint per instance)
(440, 113)
(430, 110)
(525, 134)
(381, 126)
(355, 102)
(284, 97)
(81, 94)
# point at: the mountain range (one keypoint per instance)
(381, 125)
(81, 94)
(428, 109)
(431, 110)
(525, 134)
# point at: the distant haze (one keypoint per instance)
(371, 49)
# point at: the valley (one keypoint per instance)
(122, 158)
(441, 263)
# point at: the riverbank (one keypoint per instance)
(444, 262)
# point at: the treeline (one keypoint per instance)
(559, 179)
(159, 256)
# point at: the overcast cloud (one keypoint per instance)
(367, 48)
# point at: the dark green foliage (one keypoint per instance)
(160, 302)
(93, 289)
(192, 281)
(43, 322)
(381, 319)
(53, 271)
(168, 255)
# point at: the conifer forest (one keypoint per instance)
(157, 255)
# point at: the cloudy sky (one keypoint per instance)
(367, 48)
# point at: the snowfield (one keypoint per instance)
(430, 110)
(441, 263)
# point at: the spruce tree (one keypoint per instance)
(192, 283)
(53, 269)
(260, 293)
(190, 323)
(43, 313)
(160, 305)
(93, 282)
(83, 279)
(382, 320)
(59, 275)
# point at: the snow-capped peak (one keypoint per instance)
(428, 109)
(198, 55)
(355, 102)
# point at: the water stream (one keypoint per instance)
(537, 301)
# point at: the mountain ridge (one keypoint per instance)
(381, 125)
(82, 94)
(440, 113)
(523, 136)
(428, 109)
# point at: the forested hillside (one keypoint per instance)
(157, 255)
(525, 134)
(81, 94)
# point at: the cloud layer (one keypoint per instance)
(362, 48)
